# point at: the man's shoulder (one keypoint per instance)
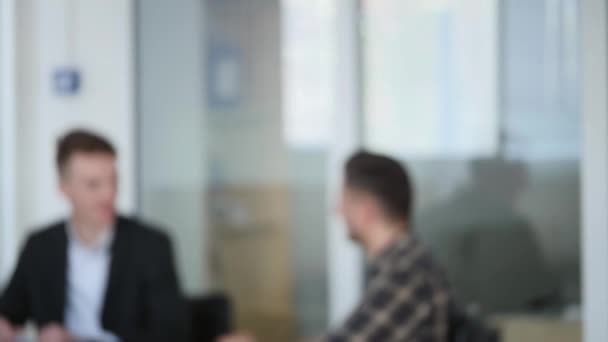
(142, 231)
(416, 257)
(47, 232)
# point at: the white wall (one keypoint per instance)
(7, 135)
(99, 42)
(2, 132)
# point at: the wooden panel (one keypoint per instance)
(533, 329)
(254, 259)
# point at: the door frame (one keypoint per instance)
(345, 260)
(594, 170)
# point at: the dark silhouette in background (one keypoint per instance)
(489, 250)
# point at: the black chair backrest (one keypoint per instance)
(467, 328)
(211, 317)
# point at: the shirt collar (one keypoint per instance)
(400, 246)
(104, 242)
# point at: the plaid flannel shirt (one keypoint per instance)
(406, 299)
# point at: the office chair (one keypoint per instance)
(211, 317)
(464, 327)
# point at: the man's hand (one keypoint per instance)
(8, 333)
(237, 338)
(54, 333)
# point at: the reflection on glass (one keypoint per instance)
(487, 245)
(430, 77)
(482, 105)
(307, 72)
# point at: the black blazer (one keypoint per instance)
(142, 300)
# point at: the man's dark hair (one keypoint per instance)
(385, 179)
(81, 141)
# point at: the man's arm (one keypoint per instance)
(390, 312)
(167, 315)
(14, 301)
(168, 309)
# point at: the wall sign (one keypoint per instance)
(66, 81)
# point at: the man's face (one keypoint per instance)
(358, 210)
(89, 181)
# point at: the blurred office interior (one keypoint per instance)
(232, 119)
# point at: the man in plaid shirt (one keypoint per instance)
(406, 297)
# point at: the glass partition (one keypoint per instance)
(480, 99)
(234, 111)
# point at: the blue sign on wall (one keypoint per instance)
(66, 81)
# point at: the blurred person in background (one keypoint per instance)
(96, 276)
(406, 296)
(480, 236)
